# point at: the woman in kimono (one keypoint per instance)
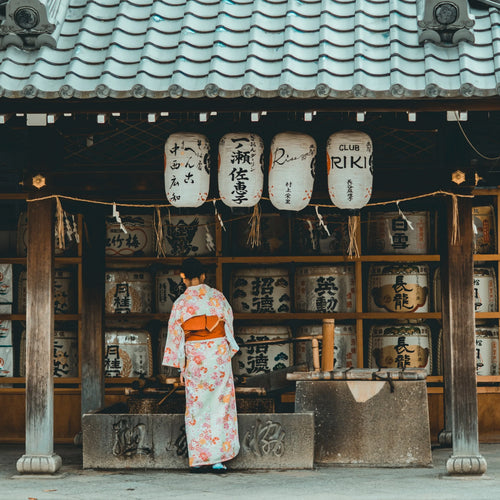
(201, 343)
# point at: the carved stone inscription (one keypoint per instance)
(265, 438)
(129, 440)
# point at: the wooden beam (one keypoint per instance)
(92, 324)
(459, 341)
(40, 457)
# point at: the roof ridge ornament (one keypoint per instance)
(31, 24)
(446, 22)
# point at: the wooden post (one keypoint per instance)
(315, 352)
(327, 357)
(40, 457)
(459, 341)
(92, 323)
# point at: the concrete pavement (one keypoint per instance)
(73, 483)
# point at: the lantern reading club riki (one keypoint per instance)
(291, 170)
(241, 165)
(349, 159)
(187, 169)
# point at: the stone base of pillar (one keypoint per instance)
(465, 465)
(445, 439)
(39, 464)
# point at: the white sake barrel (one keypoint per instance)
(128, 353)
(291, 170)
(485, 289)
(487, 353)
(311, 238)
(390, 233)
(266, 357)
(398, 288)
(273, 236)
(189, 235)
(128, 291)
(169, 286)
(70, 235)
(5, 332)
(6, 361)
(64, 292)
(483, 220)
(349, 162)
(325, 289)
(400, 345)
(260, 290)
(241, 169)
(187, 169)
(137, 241)
(6, 283)
(344, 349)
(65, 354)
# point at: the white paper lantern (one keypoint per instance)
(291, 170)
(349, 157)
(241, 165)
(187, 169)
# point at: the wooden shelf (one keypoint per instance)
(144, 261)
(326, 259)
(57, 380)
(338, 316)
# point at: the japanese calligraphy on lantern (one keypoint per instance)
(349, 160)
(291, 170)
(137, 241)
(401, 346)
(128, 354)
(325, 289)
(260, 290)
(260, 358)
(240, 169)
(398, 288)
(187, 169)
(390, 233)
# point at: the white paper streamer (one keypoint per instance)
(404, 216)
(321, 222)
(116, 215)
(209, 239)
(219, 217)
(311, 234)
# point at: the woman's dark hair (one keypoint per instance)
(192, 268)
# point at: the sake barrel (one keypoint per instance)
(265, 357)
(6, 361)
(6, 283)
(65, 354)
(400, 345)
(128, 353)
(344, 349)
(485, 289)
(325, 289)
(487, 353)
(189, 235)
(64, 291)
(273, 236)
(169, 286)
(128, 291)
(241, 169)
(70, 235)
(187, 169)
(311, 238)
(137, 241)
(260, 290)
(398, 288)
(391, 233)
(483, 220)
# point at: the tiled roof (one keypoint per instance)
(264, 48)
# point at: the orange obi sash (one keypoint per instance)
(203, 328)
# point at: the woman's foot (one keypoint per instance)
(219, 468)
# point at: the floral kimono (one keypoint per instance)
(211, 420)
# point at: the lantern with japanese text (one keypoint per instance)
(291, 170)
(187, 169)
(241, 164)
(349, 159)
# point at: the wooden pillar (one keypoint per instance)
(40, 457)
(459, 342)
(92, 322)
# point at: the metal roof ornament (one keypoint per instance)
(446, 22)
(31, 24)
